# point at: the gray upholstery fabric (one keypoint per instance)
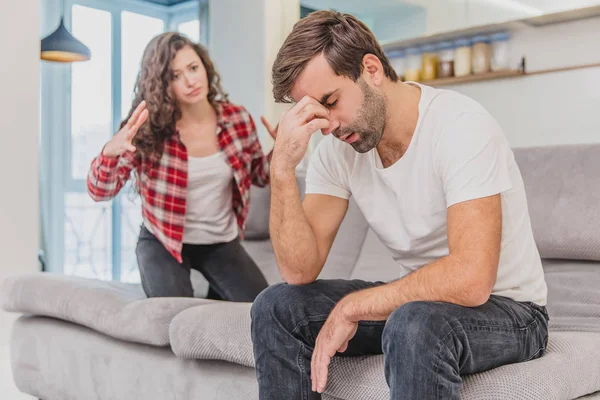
(563, 188)
(573, 295)
(257, 225)
(593, 396)
(219, 331)
(342, 258)
(573, 305)
(375, 262)
(347, 245)
(570, 368)
(56, 360)
(115, 309)
(261, 252)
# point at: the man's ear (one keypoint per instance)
(372, 69)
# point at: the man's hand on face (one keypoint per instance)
(296, 127)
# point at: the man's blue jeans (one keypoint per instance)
(427, 346)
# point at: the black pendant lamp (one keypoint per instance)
(61, 46)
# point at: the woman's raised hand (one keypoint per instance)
(121, 142)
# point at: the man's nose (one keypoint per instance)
(333, 125)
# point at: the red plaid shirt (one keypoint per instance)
(163, 188)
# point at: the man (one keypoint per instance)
(437, 181)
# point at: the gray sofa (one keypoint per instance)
(86, 339)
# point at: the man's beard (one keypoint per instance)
(370, 123)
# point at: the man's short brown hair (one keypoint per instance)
(342, 38)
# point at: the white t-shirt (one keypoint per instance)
(458, 152)
(209, 216)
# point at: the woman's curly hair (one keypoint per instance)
(153, 85)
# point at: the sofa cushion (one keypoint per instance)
(219, 331)
(563, 188)
(116, 309)
(571, 364)
(570, 367)
(573, 295)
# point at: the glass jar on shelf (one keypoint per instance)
(446, 59)
(500, 59)
(430, 62)
(398, 61)
(482, 55)
(462, 57)
(414, 63)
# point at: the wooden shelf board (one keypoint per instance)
(503, 75)
(473, 78)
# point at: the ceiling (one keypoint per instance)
(357, 7)
(526, 7)
(166, 2)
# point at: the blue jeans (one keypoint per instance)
(230, 271)
(427, 346)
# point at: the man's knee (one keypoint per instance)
(280, 302)
(415, 327)
(266, 302)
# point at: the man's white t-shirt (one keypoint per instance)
(458, 152)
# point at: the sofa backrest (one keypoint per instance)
(562, 184)
(563, 193)
(344, 253)
(348, 243)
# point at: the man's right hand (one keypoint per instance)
(121, 141)
(296, 127)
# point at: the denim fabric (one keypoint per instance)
(231, 273)
(427, 346)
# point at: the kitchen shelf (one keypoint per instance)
(563, 16)
(504, 75)
(474, 78)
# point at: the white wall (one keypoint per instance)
(19, 124)
(390, 27)
(551, 108)
(244, 40)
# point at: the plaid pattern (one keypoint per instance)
(163, 188)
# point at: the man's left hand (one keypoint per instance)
(333, 337)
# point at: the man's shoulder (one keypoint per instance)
(449, 104)
(452, 113)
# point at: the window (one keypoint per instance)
(91, 82)
(137, 31)
(87, 244)
(191, 29)
(82, 106)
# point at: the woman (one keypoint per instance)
(193, 161)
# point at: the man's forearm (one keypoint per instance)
(448, 279)
(293, 241)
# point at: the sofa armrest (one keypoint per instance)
(218, 331)
(119, 310)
